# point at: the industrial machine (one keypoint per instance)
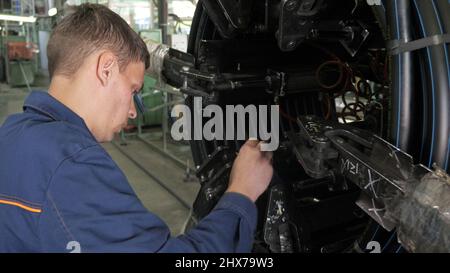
(362, 89)
(17, 61)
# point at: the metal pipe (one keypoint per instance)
(162, 19)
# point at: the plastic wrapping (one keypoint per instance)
(423, 214)
(157, 54)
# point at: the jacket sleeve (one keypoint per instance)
(90, 207)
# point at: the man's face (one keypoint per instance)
(118, 100)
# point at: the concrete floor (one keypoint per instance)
(156, 197)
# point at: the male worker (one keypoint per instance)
(59, 189)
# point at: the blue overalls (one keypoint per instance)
(60, 191)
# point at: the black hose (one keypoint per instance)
(403, 97)
(442, 8)
(424, 75)
(404, 112)
(437, 61)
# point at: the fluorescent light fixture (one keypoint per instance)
(52, 12)
(15, 18)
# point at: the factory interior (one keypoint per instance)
(361, 95)
(145, 142)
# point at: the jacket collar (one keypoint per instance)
(44, 103)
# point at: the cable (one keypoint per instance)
(403, 99)
(403, 110)
(425, 112)
(444, 26)
(403, 65)
(438, 92)
(432, 85)
(429, 23)
(388, 242)
(323, 66)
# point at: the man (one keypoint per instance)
(59, 189)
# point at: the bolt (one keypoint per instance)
(307, 5)
(209, 193)
(291, 45)
(314, 33)
(290, 5)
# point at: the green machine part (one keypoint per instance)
(17, 70)
(151, 98)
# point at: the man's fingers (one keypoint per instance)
(252, 142)
(268, 155)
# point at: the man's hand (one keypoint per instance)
(252, 171)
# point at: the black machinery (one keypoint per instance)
(363, 95)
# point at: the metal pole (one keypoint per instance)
(8, 76)
(162, 19)
(164, 122)
(24, 75)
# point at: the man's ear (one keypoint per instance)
(106, 63)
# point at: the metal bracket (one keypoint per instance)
(379, 169)
(237, 12)
(296, 19)
(299, 21)
(277, 230)
(229, 16)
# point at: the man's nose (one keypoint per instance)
(132, 114)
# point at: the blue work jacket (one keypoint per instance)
(60, 191)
